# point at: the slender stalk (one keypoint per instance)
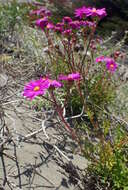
(4, 167)
(91, 37)
(59, 111)
(66, 52)
(17, 165)
(67, 126)
(85, 105)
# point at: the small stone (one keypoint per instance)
(125, 77)
(80, 161)
(3, 79)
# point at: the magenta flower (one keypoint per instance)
(60, 24)
(47, 13)
(111, 65)
(34, 88)
(93, 12)
(67, 32)
(67, 19)
(42, 12)
(50, 83)
(58, 29)
(100, 59)
(42, 23)
(90, 24)
(50, 26)
(74, 24)
(87, 23)
(38, 11)
(70, 77)
(81, 12)
(83, 23)
(54, 83)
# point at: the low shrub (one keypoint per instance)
(80, 84)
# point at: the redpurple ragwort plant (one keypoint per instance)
(75, 66)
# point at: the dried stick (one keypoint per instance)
(17, 165)
(4, 167)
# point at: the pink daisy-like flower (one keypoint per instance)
(60, 24)
(70, 77)
(81, 12)
(50, 26)
(67, 32)
(93, 12)
(50, 83)
(67, 19)
(90, 24)
(83, 23)
(100, 59)
(74, 24)
(111, 65)
(42, 23)
(48, 13)
(87, 23)
(54, 83)
(42, 12)
(58, 29)
(38, 11)
(34, 88)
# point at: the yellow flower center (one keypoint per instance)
(94, 10)
(42, 19)
(44, 78)
(112, 66)
(36, 88)
(69, 77)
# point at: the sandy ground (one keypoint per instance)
(35, 163)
